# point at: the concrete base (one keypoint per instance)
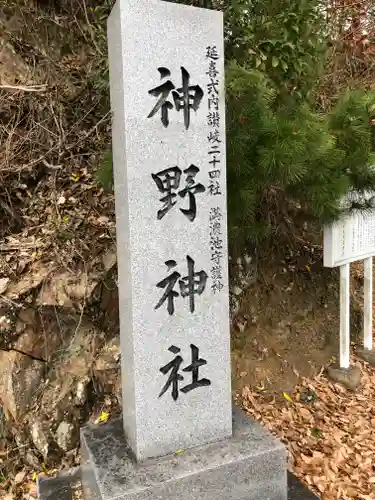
(367, 354)
(297, 490)
(348, 377)
(61, 486)
(251, 465)
(67, 484)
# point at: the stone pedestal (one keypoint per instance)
(348, 377)
(251, 465)
(367, 354)
(67, 485)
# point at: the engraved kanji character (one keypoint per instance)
(192, 284)
(163, 91)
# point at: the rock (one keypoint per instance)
(367, 354)
(26, 450)
(20, 377)
(41, 401)
(31, 459)
(25, 319)
(80, 396)
(67, 436)
(109, 356)
(13, 69)
(31, 280)
(64, 396)
(3, 284)
(236, 290)
(41, 437)
(65, 290)
(348, 377)
(107, 366)
(5, 323)
(68, 291)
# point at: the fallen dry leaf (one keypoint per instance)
(331, 440)
(103, 417)
(31, 489)
(305, 413)
(19, 477)
(287, 397)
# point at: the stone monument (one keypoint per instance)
(178, 437)
(167, 96)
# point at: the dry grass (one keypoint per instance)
(54, 127)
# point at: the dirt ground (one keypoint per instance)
(288, 326)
